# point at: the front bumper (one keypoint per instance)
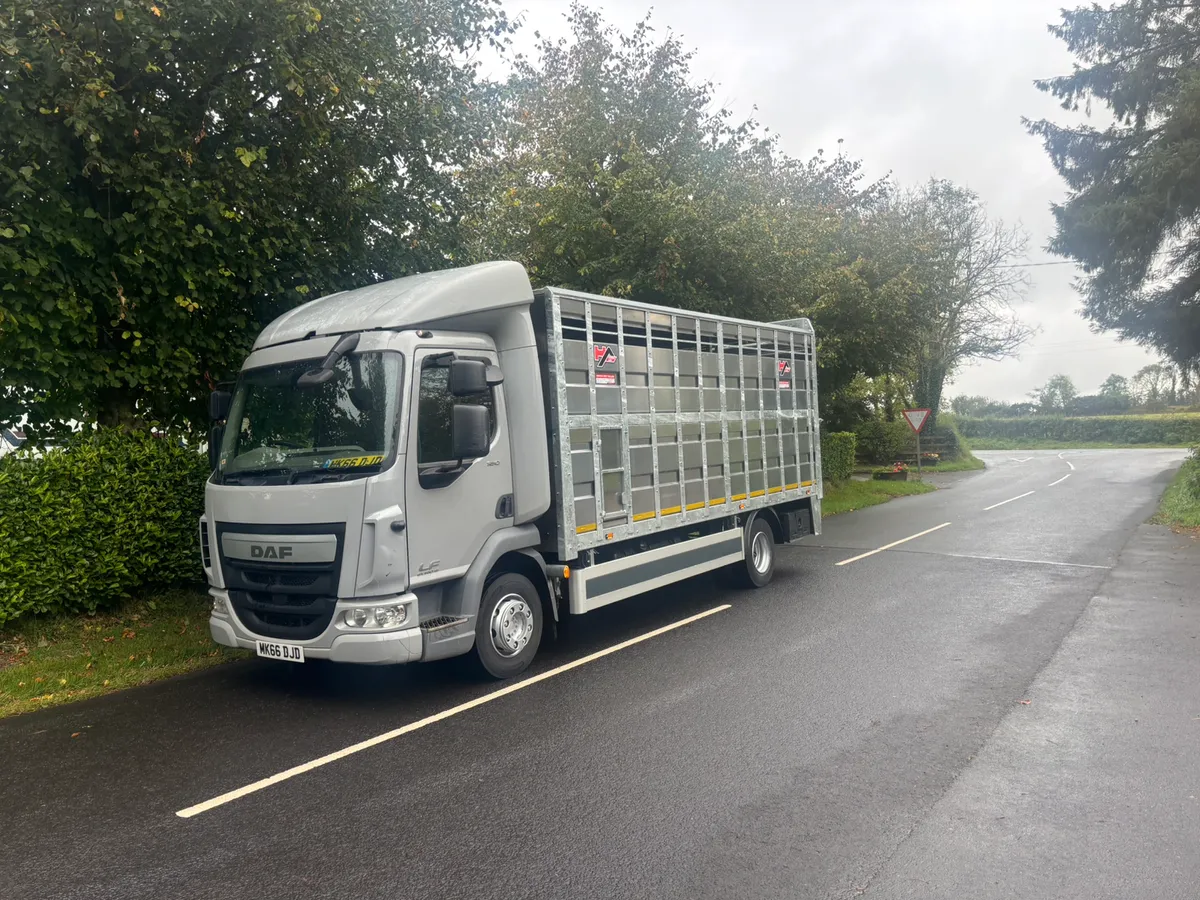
(335, 643)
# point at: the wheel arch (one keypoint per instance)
(771, 517)
(530, 564)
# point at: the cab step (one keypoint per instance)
(441, 623)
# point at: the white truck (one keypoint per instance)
(447, 463)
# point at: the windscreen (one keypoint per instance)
(342, 428)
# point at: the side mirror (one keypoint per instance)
(215, 437)
(468, 377)
(470, 436)
(218, 405)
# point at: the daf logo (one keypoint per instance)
(269, 551)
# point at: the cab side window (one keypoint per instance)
(434, 414)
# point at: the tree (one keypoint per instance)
(615, 173)
(964, 405)
(1115, 386)
(1056, 395)
(1153, 385)
(1132, 213)
(971, 285)
(174, 175)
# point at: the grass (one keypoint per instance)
(980, 443)
(852, 495)
(48, 661)
(968, 462)
(1180, 505)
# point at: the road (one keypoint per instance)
(855, 729)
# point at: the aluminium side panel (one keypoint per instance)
(662, 418)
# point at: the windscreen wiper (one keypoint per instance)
(236, 477)
(313, 476)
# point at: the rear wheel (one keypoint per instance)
(757, 569)
(508, 629)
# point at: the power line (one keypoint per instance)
(1060, 262)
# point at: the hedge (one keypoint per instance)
(1179, 430)
(837, 455)
(88, 525)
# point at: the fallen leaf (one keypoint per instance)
(129, 634)
(109, 640)
(76, 734)
(156, 11)
(20, 684)
(132, 657)
(37, 680)
(62, 681)
(106, 682)
(1024, 702)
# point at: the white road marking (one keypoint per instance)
(1036, 562)
(1060, 481)
(911, 537)
(436, 717)
(1015, 559)
(1067, 461)
(1026, 459)
(1009, 500)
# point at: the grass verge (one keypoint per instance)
(1180, 505)
(978, 443)
(852, 495)
(45, 662)
(968, 462)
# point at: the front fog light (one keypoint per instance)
(391, 616)
(356, 618)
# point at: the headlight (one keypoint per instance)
(376, 618)
(220, 607)
(391, 616)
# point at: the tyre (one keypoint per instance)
(757, 569)
(508, 628)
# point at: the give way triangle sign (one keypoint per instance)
(916, 418)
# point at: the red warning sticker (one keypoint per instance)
(604, 356)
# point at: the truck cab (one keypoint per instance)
(382, 451)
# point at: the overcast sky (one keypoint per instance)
(914, 88)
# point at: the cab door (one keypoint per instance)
(453, 507)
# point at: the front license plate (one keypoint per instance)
(276, 650)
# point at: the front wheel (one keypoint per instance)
(508, 629)
(757, 569)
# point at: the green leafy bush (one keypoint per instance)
(881, 443)
(1180, 429)
(837, 455)
(85, 526)
(1190, 475)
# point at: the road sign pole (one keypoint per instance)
(918, 456)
